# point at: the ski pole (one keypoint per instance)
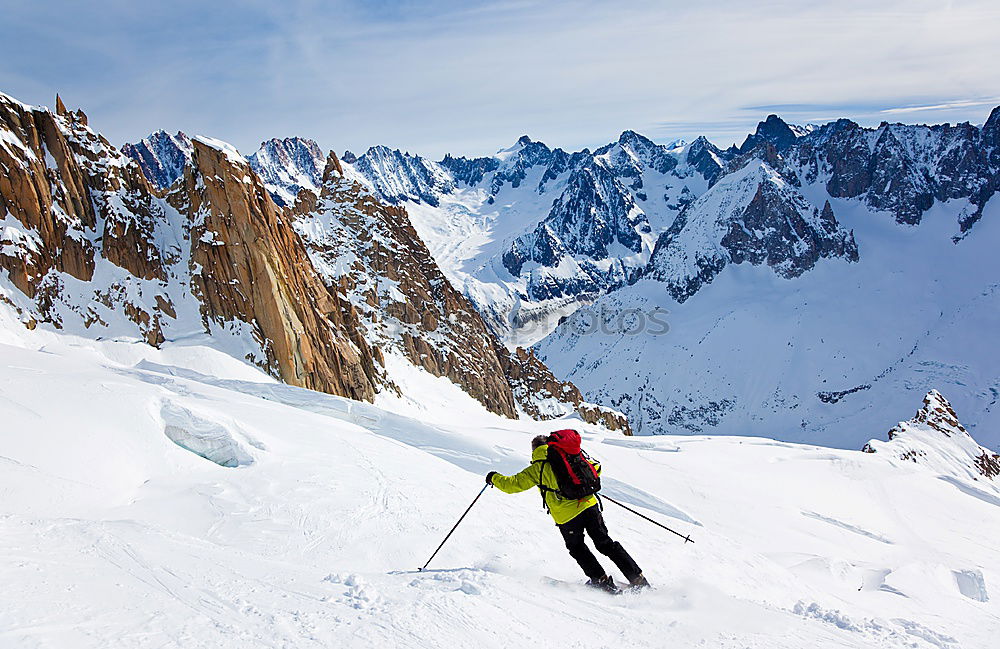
(453, 529)
(686, 538)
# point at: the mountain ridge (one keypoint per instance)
(533, 234)
(92, 247)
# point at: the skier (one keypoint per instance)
(572, 517)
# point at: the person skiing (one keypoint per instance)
(572, 517)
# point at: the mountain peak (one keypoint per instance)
(773, 130)
(993, 122)
(936, 439)
(161, 156)
(289, 165)
(633, 139)
(521, 143)
(629, 136)
(938, 414)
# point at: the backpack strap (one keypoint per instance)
(542, 487)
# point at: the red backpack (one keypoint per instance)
(575, 472)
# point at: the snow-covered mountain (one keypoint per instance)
(91, 247)
(827, 266)
(288, 166)
(824, 351)
(230, 422)
(753, 215)
(397, 176)
(161, 156)
(846, 313)
(532, 233)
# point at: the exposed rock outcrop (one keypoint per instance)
(68, 202)
(542, 395)
(251, 266)
(370, 252)
(936, 439)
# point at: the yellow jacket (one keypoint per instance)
(539, 472)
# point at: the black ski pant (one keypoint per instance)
(592, 521)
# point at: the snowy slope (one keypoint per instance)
(825, 357)
(116, 532)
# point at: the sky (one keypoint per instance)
(470, 77)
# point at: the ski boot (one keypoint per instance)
(605, 583)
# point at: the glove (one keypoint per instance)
(489, 477)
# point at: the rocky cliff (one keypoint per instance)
(313, 294)
(78, 222)
(250, 265)
(368, 251)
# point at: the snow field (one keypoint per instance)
(116, 534)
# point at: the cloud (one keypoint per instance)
(469, 77)
(952, 105)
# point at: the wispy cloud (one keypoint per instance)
(470, 77)
(948, 106)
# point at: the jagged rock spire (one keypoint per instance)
(935, 438)
(939, 415)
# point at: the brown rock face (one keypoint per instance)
(35, 160)
(72, 204)
(371, 252)
(250, 265)
(938, 413)
(77, 203)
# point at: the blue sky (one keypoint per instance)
(470, 77)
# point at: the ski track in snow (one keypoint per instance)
(117, 533)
